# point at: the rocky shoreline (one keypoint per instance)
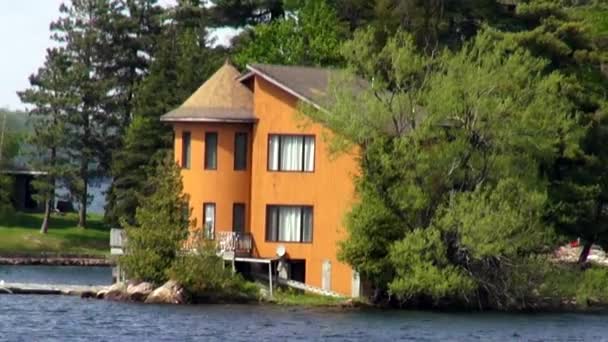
(56, 261)
(169, 293)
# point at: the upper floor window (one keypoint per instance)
(186, 150)
(291, 153)
(211, 151)
(286, 223)
(238, 217)
(240, 151)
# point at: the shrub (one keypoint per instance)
(593, 287)
(206, 278)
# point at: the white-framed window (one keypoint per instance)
(209, 220)
(291, 153)
(289, 223)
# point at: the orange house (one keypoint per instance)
(254, 166)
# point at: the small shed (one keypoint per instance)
(23, 191)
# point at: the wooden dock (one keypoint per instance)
(49, 289)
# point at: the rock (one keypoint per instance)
(170, 293)
(101, 294)
(88, 294)
(139, 292)
(117, 292)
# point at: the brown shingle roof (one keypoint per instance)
(309, 84)
(220, 99)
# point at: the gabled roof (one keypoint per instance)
(309, 84)
(220, 99)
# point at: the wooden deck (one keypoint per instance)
(48, 289)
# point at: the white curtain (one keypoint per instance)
(273, 153)
(209, 221)
(289, 223)
(291, 153)
(309, 154)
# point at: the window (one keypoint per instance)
(291, 153)
(238, 217)
(211, 151)
(289, 223)
(240, 151)
(186, 150)
(209, 220)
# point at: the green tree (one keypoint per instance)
(49, 97)
(572, 36)
(13, 125)
(160, 227)
(239, 13)
(312, 36)
(8, 149)
(88, 129)
(182, 62)
(438, 137)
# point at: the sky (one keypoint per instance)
(25, 36)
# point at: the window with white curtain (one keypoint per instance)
(209, 220)
(291, 153)
(289, 223)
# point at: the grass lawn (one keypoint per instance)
(19, 235)
(293, 297)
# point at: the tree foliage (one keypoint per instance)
(454, 147)
(182, 61)
(11, 125)
(50, 97)
(575, 45)
(311, 36)
(161, 226)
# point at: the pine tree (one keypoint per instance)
(181, 63)
(88, 129)
(579, 181)
(160, 227)
(239, 13)
(50, 97)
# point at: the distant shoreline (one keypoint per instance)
(29, 260)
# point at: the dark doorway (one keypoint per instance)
(298, 270)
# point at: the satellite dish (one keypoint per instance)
(281, 251)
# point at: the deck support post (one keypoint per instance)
(270, 277)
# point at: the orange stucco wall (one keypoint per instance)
(223, 186)
(329, 189)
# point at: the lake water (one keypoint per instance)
(66, 275)
(61, 318)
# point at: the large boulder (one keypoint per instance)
(170, 293)
(139, 292)
(117, 292)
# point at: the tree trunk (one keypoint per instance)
(44, 228)
(82, 212)
(50, 197)
(585, 252)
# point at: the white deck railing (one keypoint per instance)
(226, 241)
(117, 241)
